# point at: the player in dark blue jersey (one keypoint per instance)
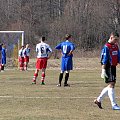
(3, 56)
(67, 49)
(110, 57)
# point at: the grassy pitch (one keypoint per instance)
(20, 100)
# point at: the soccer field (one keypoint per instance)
(20, 100)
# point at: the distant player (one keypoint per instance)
(26, 56)
(110, 57)
(0, 54)
(67, 49)
(43, 54)
(3, 57)
(21, 59)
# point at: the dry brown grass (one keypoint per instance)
(19, 100)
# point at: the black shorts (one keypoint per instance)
(111, 73)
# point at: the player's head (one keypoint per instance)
(114, 37)
(3, 45)
(42, 39)
(68, 36)
(27, 45)
(22, 47)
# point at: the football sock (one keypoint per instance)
(25, 66)
(66, 78)
(35, 76)
(21, 66)
(103, 94)
(2, 67)
(43, 77)
(60, 78)
(111, 95)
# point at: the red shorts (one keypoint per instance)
(21, 59)
(26, 59)
(41, 63)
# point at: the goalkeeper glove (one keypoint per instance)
(103, 74)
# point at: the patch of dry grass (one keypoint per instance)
(19, 100)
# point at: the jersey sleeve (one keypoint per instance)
(118, 56)
(49, 49)
(24, 52)
(105, 55)
(20, 53)
(37, 48)
(72, 47)
(58, 46)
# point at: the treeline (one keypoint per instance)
(89, 21)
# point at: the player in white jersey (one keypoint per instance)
(21, 58)
(44, 52)
(26, 56)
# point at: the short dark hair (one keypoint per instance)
(43, 38)
(115, 34)
(67, 36)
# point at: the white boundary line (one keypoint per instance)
(30, 97)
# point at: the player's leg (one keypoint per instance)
(101, 96)
(43, 66)
(3, 63)
(38, 61)
(26, 61)
(62, 71)
(66, 78)
(43, 77)
(68, 67)
(21, 63)
(35, 76)
(111, 92)
(60, 78)
(25, 65)
(104, 92)
(2, 67)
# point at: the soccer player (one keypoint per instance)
(67, 49)
(26, 56)
(3, 57)
(0, 54)
(110, 57)
(21, 59)
(44, 52)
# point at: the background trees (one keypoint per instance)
(89, 21)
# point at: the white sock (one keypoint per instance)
(111, 95)
(103, 94)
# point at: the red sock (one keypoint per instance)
(43, 77)
(25, 66)
(35, 76)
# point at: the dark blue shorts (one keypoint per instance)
(66, 64)
(3, 61)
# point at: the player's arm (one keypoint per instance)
(58, 47)
(119, 56)
(105, 58)
(24, 52)
(20, 53)
(49, 52)
(37, 49)
(72, 49)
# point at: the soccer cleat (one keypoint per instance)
(42, 83)
(66, 85)
(98, 104)
(33, 82)
(59, 85)
(116, 107)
